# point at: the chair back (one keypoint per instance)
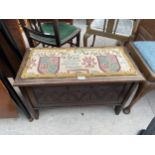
(35, 32)
(113, 28)
(33, 35)
(35, 25)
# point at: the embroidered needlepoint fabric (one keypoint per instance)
(74, 62)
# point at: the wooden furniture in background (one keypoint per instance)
(146, 64)
(110, 28)
(7, 107)
(14, 29)
(70, 21)
(146, 30)
(10, 59)
(52, 33)
(14, 96)
(12, 45)
(43, 91)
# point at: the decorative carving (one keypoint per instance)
(79, 94)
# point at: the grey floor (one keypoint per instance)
(92, 120)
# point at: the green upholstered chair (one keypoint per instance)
(143, 52)
(53, 33)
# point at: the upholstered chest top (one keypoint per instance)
(77, 62)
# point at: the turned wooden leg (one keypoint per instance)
(94, 38)
(36, 114)
(131, 92)
(117, 110)
(143, 89)
(78, 40)
(43, 45)
(85, 39)
(29, 104)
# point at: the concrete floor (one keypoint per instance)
(91, 120)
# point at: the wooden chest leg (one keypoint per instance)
(130, 93)
(126, 110)
(29, 102)
(143, 89)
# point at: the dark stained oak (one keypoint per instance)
(56, 92)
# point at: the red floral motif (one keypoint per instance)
(88, 62)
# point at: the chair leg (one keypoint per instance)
(85, 39)
(125, 43)
(94, 38)
(71, 43)
(43, 45)
(143, 89)
(131, 92)
(78, 40)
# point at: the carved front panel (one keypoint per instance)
(80, 94)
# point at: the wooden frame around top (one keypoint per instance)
(55, 81)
